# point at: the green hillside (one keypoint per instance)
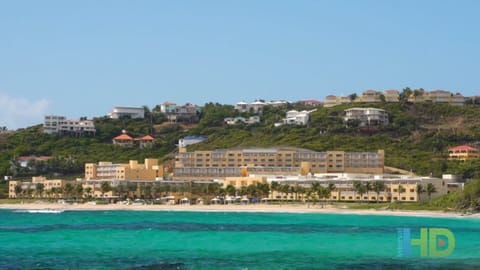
(416, 139)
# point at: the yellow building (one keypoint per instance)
(239, 182)
(206, 165)
(150, 170)
(30, 188)
(463, 153)
(402, 188)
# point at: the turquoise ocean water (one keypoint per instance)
(215, 240)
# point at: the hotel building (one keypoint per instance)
(150, 170)
(208, 165)
(32, 186)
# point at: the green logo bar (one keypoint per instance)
(433, 242)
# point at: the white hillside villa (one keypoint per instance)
(367, 116)
(132, 112)
(54, 124)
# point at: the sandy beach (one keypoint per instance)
(265, 208)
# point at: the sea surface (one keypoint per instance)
(217, 240)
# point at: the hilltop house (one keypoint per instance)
(463, 153)
(24, 160)
(367, 116)
(131, 112)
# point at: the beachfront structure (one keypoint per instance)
(55, 124)
(403, 188)
(390, 187)
(218, 164)
(36, 188)
(463, 153)
(130, 112)
(106, 170)
(366, 116)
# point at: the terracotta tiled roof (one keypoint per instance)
(27, 158)
(123, 137)
(462, 147)
(145, 138)
(313, 101)
(392, 91)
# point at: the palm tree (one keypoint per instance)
(264, 189)
(359, 188)
(368, 188)
(39, 187)
(68, 189)
(148, 191)
(275, 186)
(285, 189)
(105, 187)
(314, 190)
(18, 190)
(301, 190)
(378, 186)
(88, 190)
(230, 190)
(401, 189)
(420, 190)
(79, 190)
(430, 189)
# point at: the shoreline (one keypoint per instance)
(249, 208)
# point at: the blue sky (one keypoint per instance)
(81, 58)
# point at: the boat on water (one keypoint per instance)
(41, 211)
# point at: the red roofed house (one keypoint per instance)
(391, 95)
(123, 140)
(463, 153)
(310, 102)
(23, 160)
(145, 141)
(126, 140)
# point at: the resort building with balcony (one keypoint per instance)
(401, 188)
(218, 164)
